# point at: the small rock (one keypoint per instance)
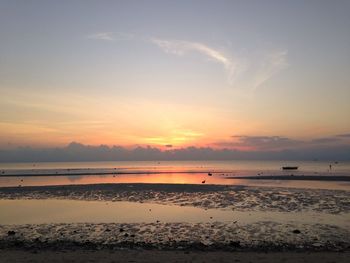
(317, 244)
(11, 233)
(296, 231)
(235, 243)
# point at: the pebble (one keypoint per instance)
(296, 231)
(11, 233)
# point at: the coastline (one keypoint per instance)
(319, 240)
(272, 235)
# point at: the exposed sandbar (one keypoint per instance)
(240, 198)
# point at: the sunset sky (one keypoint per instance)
(220, 74)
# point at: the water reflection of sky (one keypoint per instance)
(168, 178)
(73, 211)
(233, 165)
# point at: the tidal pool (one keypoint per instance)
(73, 211)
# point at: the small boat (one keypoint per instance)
(290, 167)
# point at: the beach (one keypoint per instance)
(148, 222)
(174, 131)
(228, 218)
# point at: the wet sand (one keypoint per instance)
(104, 256)
(223, 236)
(240, 198)
(196, 237)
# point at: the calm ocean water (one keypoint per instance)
(233, 166)
(191, 172)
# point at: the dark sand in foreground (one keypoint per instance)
(167, 256)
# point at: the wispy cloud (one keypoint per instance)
(108, 36)
(271, 64)
(181, 47)
(241, 71)
(111, 36)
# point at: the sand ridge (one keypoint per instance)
(240, 198)
(260, 236)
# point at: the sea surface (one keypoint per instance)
(173, 172)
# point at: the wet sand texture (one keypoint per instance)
(260, 236)
(240, 198)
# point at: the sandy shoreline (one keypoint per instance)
(184, 236)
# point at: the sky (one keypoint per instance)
(243, 75)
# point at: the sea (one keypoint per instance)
(174, 172)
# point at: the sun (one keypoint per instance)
(176, 138)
